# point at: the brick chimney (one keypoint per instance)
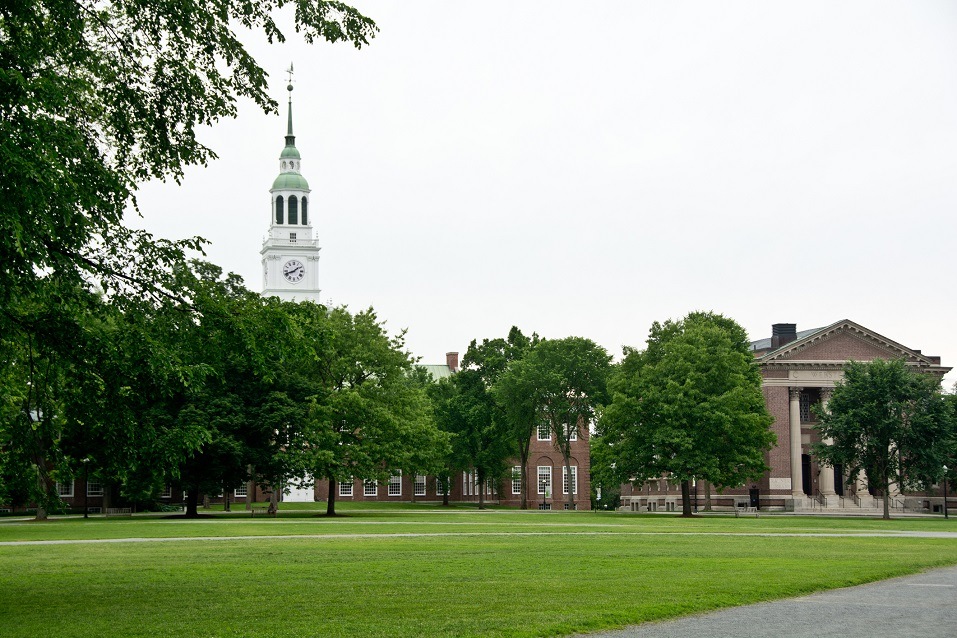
(783, 333)
(452, 361)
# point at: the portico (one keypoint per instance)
(799, 371)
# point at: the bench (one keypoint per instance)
(262, 511)
(744, 508)
(118, 511)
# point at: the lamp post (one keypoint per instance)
(945, 492)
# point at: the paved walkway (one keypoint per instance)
(921, 606)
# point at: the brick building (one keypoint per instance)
(547, 479)
(799, 370)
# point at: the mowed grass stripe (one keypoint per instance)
(227, 525)
(473, 584)
(346, 535)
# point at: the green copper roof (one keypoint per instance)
(289, 152)
(290, 181)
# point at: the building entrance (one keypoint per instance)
(806, 474)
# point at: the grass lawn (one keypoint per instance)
(425, 571)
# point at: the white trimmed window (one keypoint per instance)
(241, 492)
(544, 432)
(395, 484)
(574, 479)
(420, 485)
(544, 479)
(517, 479)
(345, 488)
(94, 488)
(439, 490)
(167, 492)
(64, 490)
(370, 488)
(572, 433)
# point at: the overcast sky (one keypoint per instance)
(588, 168)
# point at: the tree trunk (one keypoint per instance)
(225, 498)
(445, 493)
(43, 484)
(887, 499)
(523, 454)
(567, 453)
(273, 500)
(331, 501)
(481, 490)
(250, 488)
(686, 498)
(707, 496)
(192, 502)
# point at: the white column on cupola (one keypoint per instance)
(290, 253)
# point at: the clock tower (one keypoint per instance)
(290, 253)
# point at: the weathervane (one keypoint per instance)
(289, 71)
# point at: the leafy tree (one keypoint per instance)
(565, 381)
(689, 405)
(605, 482)
(465, 409)
(368, 415)
(96, 97)
(512, 410)
(889, 422)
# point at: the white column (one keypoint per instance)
(827, 472)
(797, 489)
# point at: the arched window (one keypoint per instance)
(279, 209)
(305, 211)
(293, 210)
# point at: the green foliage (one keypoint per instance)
(689, 405)
(369, 414)
(890, 422)
(559, 382)
(464, 408)
(96, 97)
(513, 416)
(115, 349)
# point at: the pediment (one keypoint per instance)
(844, 341)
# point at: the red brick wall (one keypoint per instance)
(841, 346)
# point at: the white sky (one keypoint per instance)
(587, 168)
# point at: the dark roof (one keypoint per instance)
(765, 344)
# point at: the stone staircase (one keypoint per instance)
(850, 506)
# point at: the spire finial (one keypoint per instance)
(290, 138)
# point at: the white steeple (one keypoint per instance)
(290, 253)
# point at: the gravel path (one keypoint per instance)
(919, 606)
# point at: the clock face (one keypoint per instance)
(293, 271)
